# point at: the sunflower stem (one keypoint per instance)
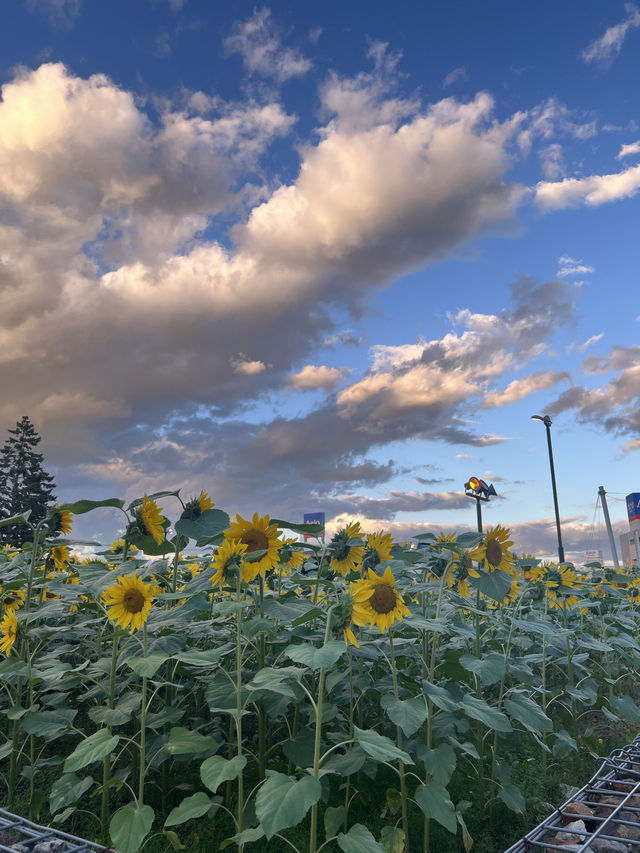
(426, 829)
(262, 720)
(143, 725)
(240, 805)
(313, 833)
(106, 761)
(399, 740)
(32, 567)
(347, 791)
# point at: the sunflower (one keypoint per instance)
(352, 610)
(150, 520)
(561, 602)
(13, 599)
(8, 631)
(377, 549)
(345, 557)
(60, 556)
(257, 535)
(512, 594)
(197, 506)
(290, 558)
(61, 521)
(494, 549)
(384, 603)
(633, 591)
(128, 601)
(228, 556)
(117, 547)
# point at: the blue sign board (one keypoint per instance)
(314, 518)
(633, 505)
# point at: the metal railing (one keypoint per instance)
(612, 796)
(29, 836)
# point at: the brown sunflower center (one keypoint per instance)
(383, 599)
(255, 540)
(494, 552)
(133, 600)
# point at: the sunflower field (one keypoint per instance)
(206, 684)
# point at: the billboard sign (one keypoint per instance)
(633, 506)
(314, 518)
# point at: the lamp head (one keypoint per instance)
(477, 488)
(546, 420)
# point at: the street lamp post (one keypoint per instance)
(546, 420)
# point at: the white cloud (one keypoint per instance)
(453, 77)
(593, 190)
(628, 150)
(114, 295)
(246, 366)
(605, 49)
(464, 456)
(345, 338)
(586, 344)
(614, 405)
(631, 446)
(313, 376)
(570, 266)
(521, 388)
(258, 43)
(547, 121)
(552, 162)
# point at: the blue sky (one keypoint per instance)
(326, 256)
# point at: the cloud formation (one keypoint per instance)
(607, 47)
(570, 266)
(592, 190)
(453, 77)
(629, 150)
(103, 222)
(614, 405)
(257, 41)
(540, 380)
(314, 376)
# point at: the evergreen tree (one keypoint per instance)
(24, 484)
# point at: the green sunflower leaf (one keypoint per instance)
(93, 748)
(316, 658)
(80, 507)
(210, 523)
(379, 747)
(185, 742)
(435, 803)
(358, 840)
(491, 717)
(191, 807)
(148, 665)
(67, 790)
(129, 827)
(216, 770)
(409, 714)
(282, 802)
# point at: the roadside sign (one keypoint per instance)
(633, 506)
(314, 518)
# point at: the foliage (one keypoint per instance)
(276, 708)
(24, 484)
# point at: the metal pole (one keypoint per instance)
(479, 514)
(607, 521)
(547, 423)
